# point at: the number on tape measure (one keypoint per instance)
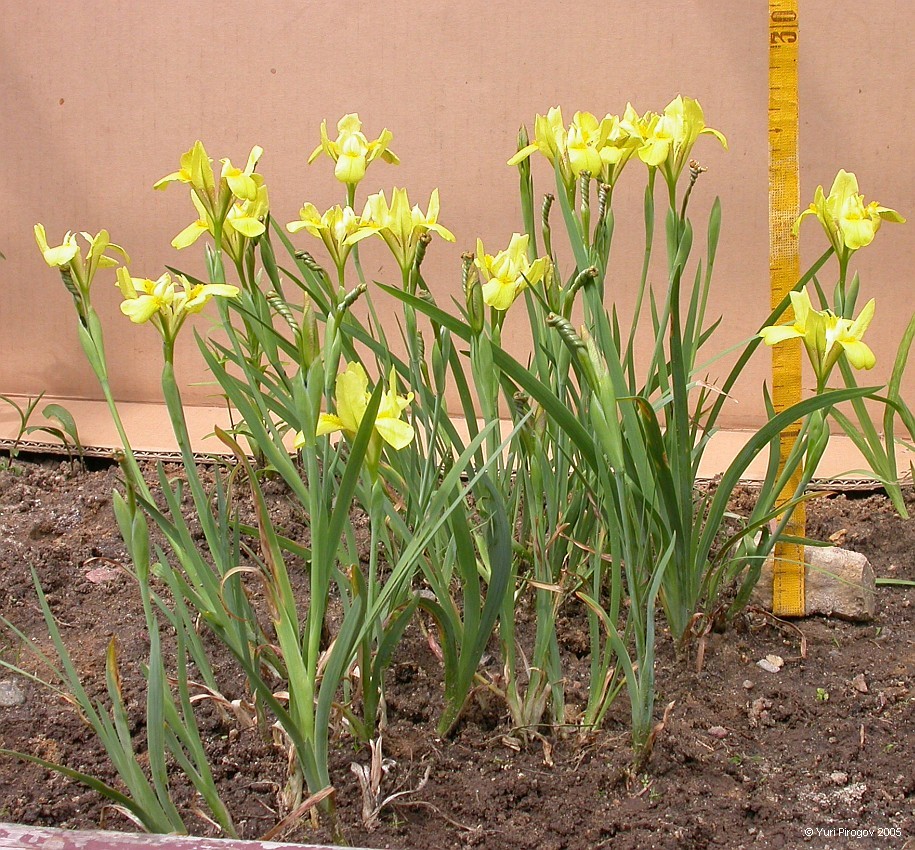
(783, 32)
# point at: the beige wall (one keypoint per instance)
(100, 98)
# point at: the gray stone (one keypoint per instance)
(837, 583)
(10, 694)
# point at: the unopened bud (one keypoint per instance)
(582, 278)
(567, 333)
(473, 293)
(311, 344)
(603, 201)
(351, 298)
(310, 262)
(421, 247)
(545, 223)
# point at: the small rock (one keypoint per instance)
(837, 583)
(718, 732)
(771, 663)
(839, 777)
(838, 538)
(10, 694)
(748, 685)
(100, 575)
(859, 684)
(758, 713)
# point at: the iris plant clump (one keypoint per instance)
(586, 498)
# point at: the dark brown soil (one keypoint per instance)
(747, 758)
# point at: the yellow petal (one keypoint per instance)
(169, 178)
(523, 154)
(857, 232)
(861, 324)
(327, 424)
(242, 185)
(141, 309)
(62, 254)
(395, 432)
(859, 355)
(890, 215)
(190, 234)
(498, 294)
(125, 283)
(717, 134)
(246, 225)
(350, 169)
(779, 333)
(352, 396)
(811, 210)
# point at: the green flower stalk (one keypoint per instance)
(78, 275)
(353, 400)
(850, 225)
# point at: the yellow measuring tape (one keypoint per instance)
(784, 270)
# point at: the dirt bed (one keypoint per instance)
(820, 754)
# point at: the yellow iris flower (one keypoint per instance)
(244, 220)
(669, 138)
(68, 255)
(507, 273)
(351, 398)
(194, 168)
(246, 217)
(622, 141)
(585, 138)
(400, 226)
(242, 182)
(825, 335)
(162, 303)
(549, 138)
(352, 151)
(577, 148)
(848, 222)
(237, 206)
(61, 255)
(333, 228)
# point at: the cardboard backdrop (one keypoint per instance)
(101, 98)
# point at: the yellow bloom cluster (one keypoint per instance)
(509, 272)
(69, 255)
(399, 225)
(164, 305)
(603, 147)
(232, 210)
